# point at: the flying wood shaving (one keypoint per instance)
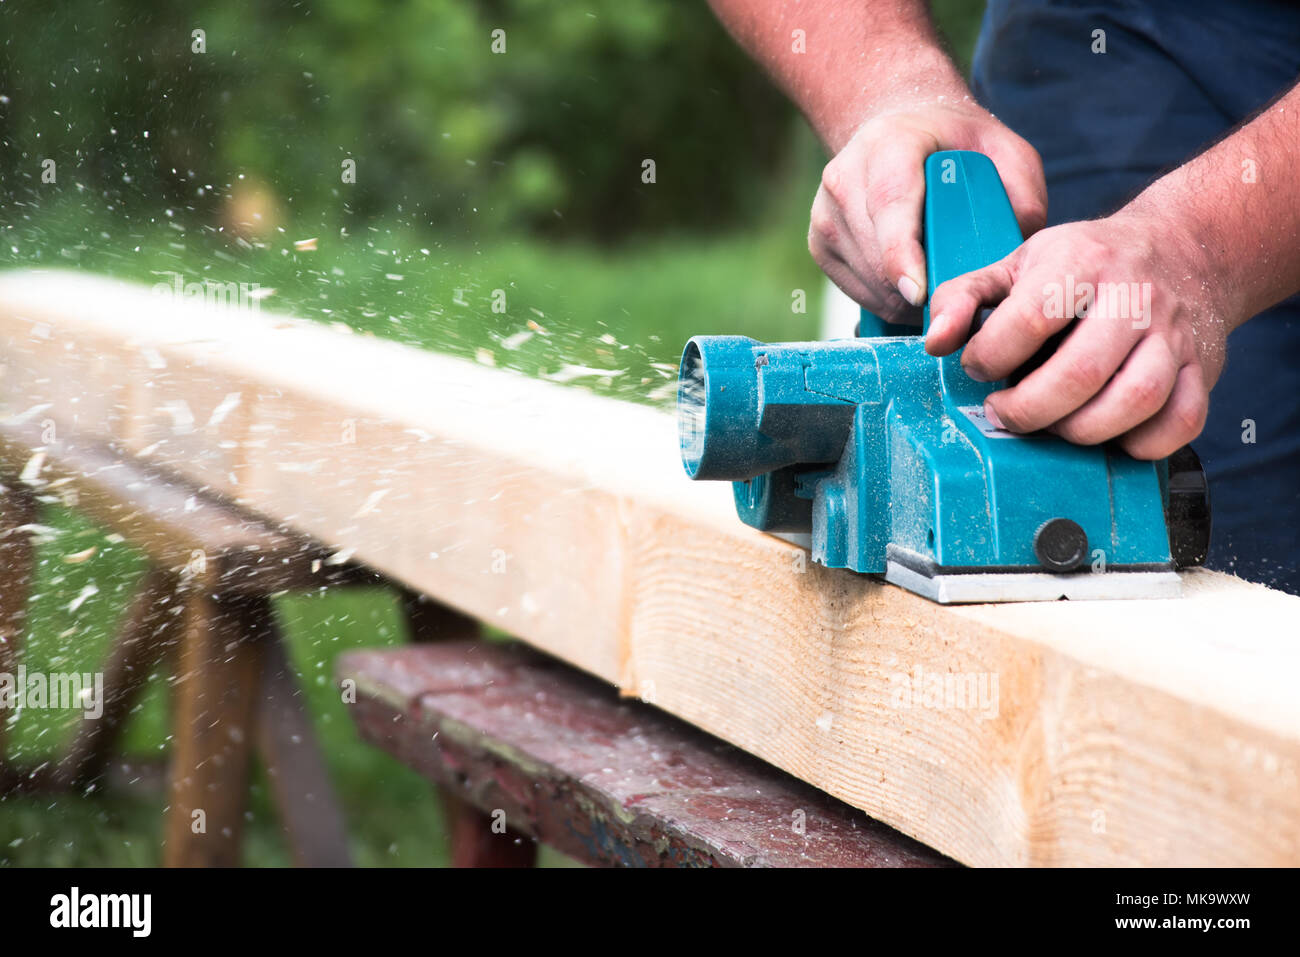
(76, 558)
(517, 340)
(305, 245)
(182, 417)
(370, 503)
(662, 391)
(31, 473)
(224, 408)
(570, 372)
(80, 600)
(29, 414)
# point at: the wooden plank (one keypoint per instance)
(190, 532)
(148, 634)
(1123, 733)
(473, 841)
(310, 816)
(552, 753)
(214, 718)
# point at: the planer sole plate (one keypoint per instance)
(967, 588)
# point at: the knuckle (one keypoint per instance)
(833, 181)
(885, 190)
(1089, 249)
(1082, 374)
(1035, 324)
(948, 296)
(1028, 154)
(893, 253)
(1144, 393)
(1180, 344)
(1189, 418)
(822, 228)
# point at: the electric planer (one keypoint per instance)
(883, 455)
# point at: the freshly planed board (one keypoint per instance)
(1156, 732)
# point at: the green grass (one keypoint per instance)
(626, 310)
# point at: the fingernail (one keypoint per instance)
(935, 330)
(992, 417)
(973, 373)
(910, 290)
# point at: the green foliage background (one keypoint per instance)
(549, 134)
(475, 171)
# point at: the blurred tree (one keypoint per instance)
(460, 114)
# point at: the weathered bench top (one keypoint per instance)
(604, 779)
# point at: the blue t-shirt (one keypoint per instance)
(1175, 76)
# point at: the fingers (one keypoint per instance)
(834, 248)
(1079, 369)
(1017, 329)
(895, 196)
(1179, 422)
(1021, 170)
(1137, 392)
(955, 303)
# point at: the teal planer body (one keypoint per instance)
(882, 453)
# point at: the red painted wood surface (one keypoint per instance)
(552, 753)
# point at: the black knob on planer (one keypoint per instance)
(1060, 545)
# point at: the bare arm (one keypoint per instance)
(1240, 201)
(853, 60)
(876, 85)
(1214, 242)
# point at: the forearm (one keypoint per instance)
(1238, 205)
(859, 59)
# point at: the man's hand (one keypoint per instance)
(875, 83)
(865, 228)
(1217, 239)
(1147, 344)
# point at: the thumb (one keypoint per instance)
(895, 197)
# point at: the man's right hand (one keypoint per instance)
(865, 229)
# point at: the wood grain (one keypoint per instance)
(1122, 732)
(557, 755)
(219, 668)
